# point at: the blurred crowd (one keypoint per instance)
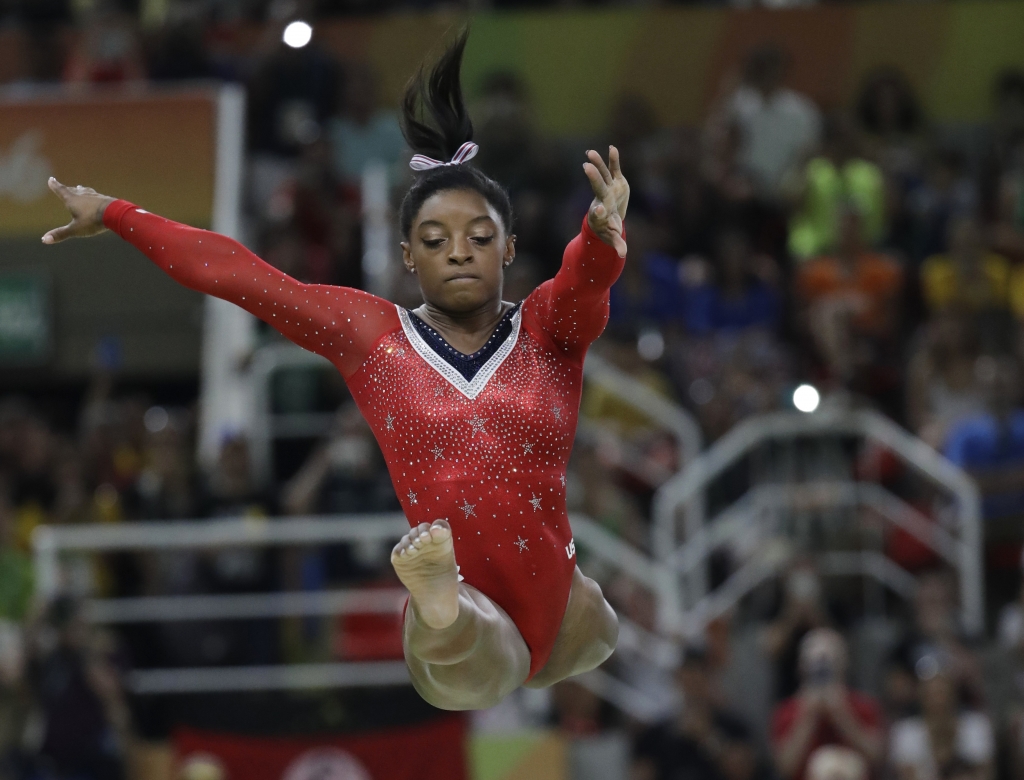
(861, 248)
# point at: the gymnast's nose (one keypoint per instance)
(462, 251)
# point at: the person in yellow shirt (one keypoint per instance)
(970, 276)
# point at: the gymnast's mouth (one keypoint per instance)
(461, 277)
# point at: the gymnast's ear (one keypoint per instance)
(407, 260)
(510, 251)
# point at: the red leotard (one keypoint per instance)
(488, 454)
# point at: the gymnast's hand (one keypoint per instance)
(86, 207)
(611, 197)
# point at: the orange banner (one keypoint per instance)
(153, 148)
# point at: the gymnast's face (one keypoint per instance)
(458, 248)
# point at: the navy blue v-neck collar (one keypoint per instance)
(466, 365)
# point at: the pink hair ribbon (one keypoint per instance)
(420, 162)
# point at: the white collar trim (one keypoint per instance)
(469, 388)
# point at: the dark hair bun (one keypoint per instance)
(439, 95)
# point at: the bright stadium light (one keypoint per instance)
(297, 34)
(806, 398)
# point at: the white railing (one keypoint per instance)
(751, 517)
(50, 543)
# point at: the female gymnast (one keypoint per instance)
(473, 400)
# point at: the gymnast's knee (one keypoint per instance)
(461, 697)
(607, 634)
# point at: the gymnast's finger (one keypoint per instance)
(619, 244)
(613, 162)
(598, 160)
(597, 182)
(60, 190)
(57, 235)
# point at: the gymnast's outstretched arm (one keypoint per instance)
(572, 308)
(340, 323)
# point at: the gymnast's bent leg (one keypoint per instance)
(587, 637)
(463, 651)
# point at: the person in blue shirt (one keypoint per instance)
(648, 293)
(738, 293)
(990, 445)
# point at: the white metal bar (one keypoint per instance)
(911, 520)
(238, 532)
(870, 563)
(265, 361)
(623, 696)
(46, 563)
(228, 331)
(155, 609)
(832, 422)
(690, 442)
(223, 679)
(659, 409)
(613, 550)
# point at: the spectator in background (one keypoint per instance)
(32, 490)
(17, 581)
(363, 133)
(344, 476)
(176, 51)
(16, 587)
(933, 632)
(1008, 204)
(889, 118)
(737, 293)
(778, 126)
(946, 193)
(990, 445)
(968, 276)
(530, 166)
(942, 377)
(1008, 122)
(824, 711)
(84, 712)
(889, 115)
(1010, 633)
(107, 50)
(43, 21)
(292, 93)
(648, 291)
(1001, 179)
(840, 177)
(836, 763)
(578, 711)
(944, 741)
(231, 491)
(803, 610)
(165, 488)
(850, 313)
(705, 742)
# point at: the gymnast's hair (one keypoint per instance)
(438, 94)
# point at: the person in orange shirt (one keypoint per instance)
(849, 306)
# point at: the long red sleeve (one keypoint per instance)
(572, 308)
(340, 323)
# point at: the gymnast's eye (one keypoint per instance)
(433, 243)
(482, 240)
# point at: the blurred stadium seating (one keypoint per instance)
(797, 467)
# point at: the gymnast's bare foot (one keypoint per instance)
(425, 563)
